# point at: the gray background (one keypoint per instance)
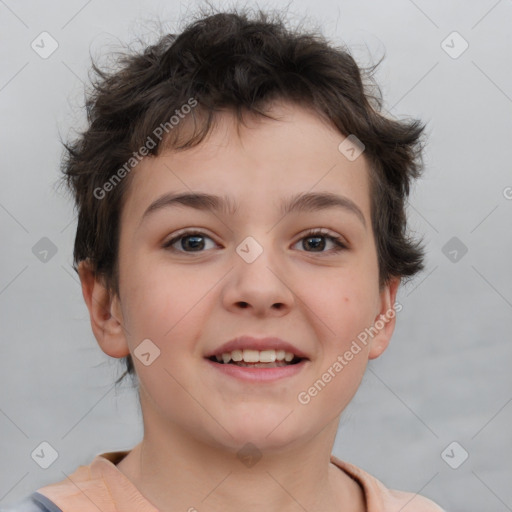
(446, 376)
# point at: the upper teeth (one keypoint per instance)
(255, 356)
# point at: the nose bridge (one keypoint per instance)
(256, 280)
(256, 260)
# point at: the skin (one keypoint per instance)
(188, 303)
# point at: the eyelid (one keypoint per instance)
(174, 237)
(339, 241)
(325, 232)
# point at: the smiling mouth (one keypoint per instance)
(257, 359)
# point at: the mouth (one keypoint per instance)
(253, 358)
(258, 359)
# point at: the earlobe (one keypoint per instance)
(385, 320)
(104, 312)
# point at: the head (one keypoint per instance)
(244, 109)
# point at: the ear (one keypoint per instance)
(105, 313)
(384, 322)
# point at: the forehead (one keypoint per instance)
(261, 160)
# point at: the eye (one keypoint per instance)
(190, 241)
(316, 240)
(196, 241)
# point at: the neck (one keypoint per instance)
(175, 471)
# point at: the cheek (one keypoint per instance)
(332, 390)
(169, 308)
(344, 306)
(343, 358)
(348, 312)
(156, 295)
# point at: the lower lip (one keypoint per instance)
(259, 374)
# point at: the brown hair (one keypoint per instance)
(230, 60)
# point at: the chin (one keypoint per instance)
(265, 430)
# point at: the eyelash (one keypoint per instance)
(313, 233)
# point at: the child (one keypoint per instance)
(261, 147)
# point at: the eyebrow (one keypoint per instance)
(299, 203)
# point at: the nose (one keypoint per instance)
(258, 288)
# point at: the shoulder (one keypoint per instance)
(34, 503)
(409, 502)
(381, 499)
(63, 495)
(100, 481)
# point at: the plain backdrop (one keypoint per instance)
(446, 376)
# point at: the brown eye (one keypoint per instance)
(317, 241)
(188, 242)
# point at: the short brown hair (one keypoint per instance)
(232, 60)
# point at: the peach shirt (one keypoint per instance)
(101, 486)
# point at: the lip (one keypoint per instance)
(259, 374)
(249, 342)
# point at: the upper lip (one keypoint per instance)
(249, 342)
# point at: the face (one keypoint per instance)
(194, 277)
